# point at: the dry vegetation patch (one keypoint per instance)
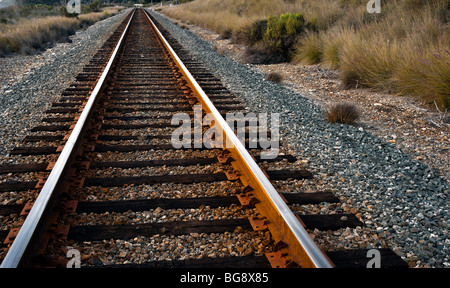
(342, 112)
(26, 35)
(402, 50)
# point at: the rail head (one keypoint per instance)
(285, 225)
(25, 235)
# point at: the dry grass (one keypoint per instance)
(28, 35)
(274, 77)
(309, 49)
(406, 52)
(231, 15)
(31, 34)
(343, 112)
(403, 50)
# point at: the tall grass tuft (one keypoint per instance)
(366, 63)
(343, 113)
(425, 74)
(309, 49)
(274, 77)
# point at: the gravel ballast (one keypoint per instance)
(404, 201)
(30, 83)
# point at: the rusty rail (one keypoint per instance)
(27, 231)
(280, 220)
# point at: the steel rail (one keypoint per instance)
(283, 224)
(24, 237)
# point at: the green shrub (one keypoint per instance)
(281, 32)
(257, 31)
(272, 39)
(95, 6)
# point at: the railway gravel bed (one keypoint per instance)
(114, 194)
(40, 79)
(402, 202)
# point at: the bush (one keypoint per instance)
(94, 6)
(272, 39)
(257, 31)
(274, 77)
(282, 32)
(343, 112)
(262, 53)
(227, 34)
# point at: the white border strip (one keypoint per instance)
(20, 244)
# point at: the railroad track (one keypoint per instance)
(104, 180)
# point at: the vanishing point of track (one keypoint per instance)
(104, 155)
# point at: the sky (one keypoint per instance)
(6, 3)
